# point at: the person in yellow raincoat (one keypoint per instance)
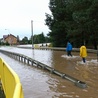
(83, 52)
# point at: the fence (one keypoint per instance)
(10, 81)
(32, 62)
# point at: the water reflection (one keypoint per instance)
(36, 83)
(41, 84)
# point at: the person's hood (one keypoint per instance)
(68, 43)
(83, 47)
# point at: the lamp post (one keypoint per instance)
(32, 33)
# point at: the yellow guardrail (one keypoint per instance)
(10, 81)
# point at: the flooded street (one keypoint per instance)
(38, 83)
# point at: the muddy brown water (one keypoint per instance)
(38, 83)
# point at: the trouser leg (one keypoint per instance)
(67, 53)
(83, 60)
(70, 53)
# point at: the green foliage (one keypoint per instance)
(2, 43)
(25, 40)
(56, 22)
(40, 38)
(18, 38)
(74, 20)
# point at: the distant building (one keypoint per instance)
(11, 39)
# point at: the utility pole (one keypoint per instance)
(32, 33)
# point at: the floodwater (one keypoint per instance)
(38, 83)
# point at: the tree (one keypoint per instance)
(78, 30)
(25, 40)
(84, 14)
(93, 23)
(18, 40)
(56, 22)
(41, 38)
(73, 20)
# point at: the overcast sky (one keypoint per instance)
(16, 16)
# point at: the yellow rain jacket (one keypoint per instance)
(83, 51)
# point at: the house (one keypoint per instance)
(11, 39)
